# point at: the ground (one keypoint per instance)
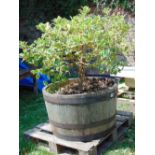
(33, 112)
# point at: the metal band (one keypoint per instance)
(82, 126)
(81, 100)
(86, 138)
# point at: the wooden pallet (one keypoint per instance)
(42, 132)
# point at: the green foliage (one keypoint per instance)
(84, 41)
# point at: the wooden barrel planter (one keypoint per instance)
(82, 117)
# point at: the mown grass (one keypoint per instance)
(33, 112)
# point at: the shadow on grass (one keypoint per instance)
(125, 146)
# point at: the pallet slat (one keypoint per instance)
(35, 133)
(45, 126)
(125, 101)
(124, 113)
(121, 118)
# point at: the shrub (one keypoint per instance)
(84, 41)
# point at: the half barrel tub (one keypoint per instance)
(82, 117)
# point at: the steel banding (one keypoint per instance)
(82, 100)
(81, 126)
(86, 138)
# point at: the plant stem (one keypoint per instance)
(82, 68)
(81, 73)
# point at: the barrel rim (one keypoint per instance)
(109, 92)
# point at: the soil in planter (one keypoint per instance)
(89, 85)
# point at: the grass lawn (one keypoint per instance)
(33, 112)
